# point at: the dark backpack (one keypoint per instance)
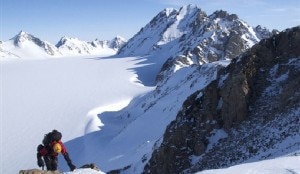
(56, 136)
(51, 136)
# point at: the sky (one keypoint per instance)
(104, 19)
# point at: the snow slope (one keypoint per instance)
(129, 136)
(283, 165)
(65, 94)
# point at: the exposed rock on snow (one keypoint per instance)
(38, 171)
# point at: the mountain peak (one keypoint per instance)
(224, 14)
(168, 11)
(22, 36)
(119, 38)
(63, 40)
(117, 42)
(22, 33)
(189, 7)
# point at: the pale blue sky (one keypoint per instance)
(104, 19)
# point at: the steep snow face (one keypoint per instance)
(162, 29)
(146, 39)
(178, 27)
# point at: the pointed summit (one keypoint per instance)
(22, 33)
(224, 15)
(64, 40)
(117, 42)
(22, 36)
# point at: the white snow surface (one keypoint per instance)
(38, 96)
(283, 165)
(84, 171)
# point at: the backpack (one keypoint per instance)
(56, 136)
(51, 136)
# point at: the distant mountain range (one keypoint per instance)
(25, 45)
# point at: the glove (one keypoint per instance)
(72, 167)
(40, 163)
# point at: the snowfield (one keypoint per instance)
(66, 94)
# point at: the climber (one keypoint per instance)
(49, 150)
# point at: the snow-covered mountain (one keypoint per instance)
(27, 46)
(24, 39)
(188, 36)
(74, 46)
(190, 27)
(217, 102)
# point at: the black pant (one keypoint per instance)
(51, 162)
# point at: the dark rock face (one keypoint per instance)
(259, 86)
(187, 134)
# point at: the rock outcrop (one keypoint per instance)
(38, 171)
